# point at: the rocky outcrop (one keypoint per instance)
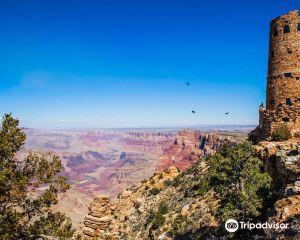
(282, 161)
(96, 223)
(189, 146)
(155, 209)
(173, 204)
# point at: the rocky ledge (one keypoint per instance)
(282, 162)
(151, 210)
(171, 203)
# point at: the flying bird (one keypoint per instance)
(193, 112)
(226, 113)
(188, 84)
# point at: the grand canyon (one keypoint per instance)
(106, 161)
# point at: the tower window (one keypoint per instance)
(275, 32)
(288, 75)
(286, 29)
(285, 119)
(288, 101)
(273, 54)
(272, 101)
(298, 28)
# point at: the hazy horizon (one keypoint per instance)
(202, 127)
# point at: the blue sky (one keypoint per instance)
(113, 63)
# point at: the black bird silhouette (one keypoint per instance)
(187, 83)
(193, 112)
(226, 113)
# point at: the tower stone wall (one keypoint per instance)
(283, 80)
(284, 61)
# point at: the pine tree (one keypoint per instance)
(28, 189)
(235, 174)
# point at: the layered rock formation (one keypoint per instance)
(282, 161)
(170, 202)
(157, 207)
(96, 223)
(189, 146)
(108, 161)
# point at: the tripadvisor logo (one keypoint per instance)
(232, 225)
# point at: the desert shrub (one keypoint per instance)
(147, 187)
(176, 181)
(281, 133)
(235, 175)
(178, 226)
(163, 208)
(202, 187)
(154, 191)
(157, 219)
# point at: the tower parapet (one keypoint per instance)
(283, 80)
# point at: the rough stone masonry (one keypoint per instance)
(283, 80)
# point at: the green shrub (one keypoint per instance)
(154, 191)
(203, 187)
(156, 218)
(163, 208)
(178, 226)
(176, 181)
(281, 133)
(235, 175)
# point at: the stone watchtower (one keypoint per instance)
(283, 81)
